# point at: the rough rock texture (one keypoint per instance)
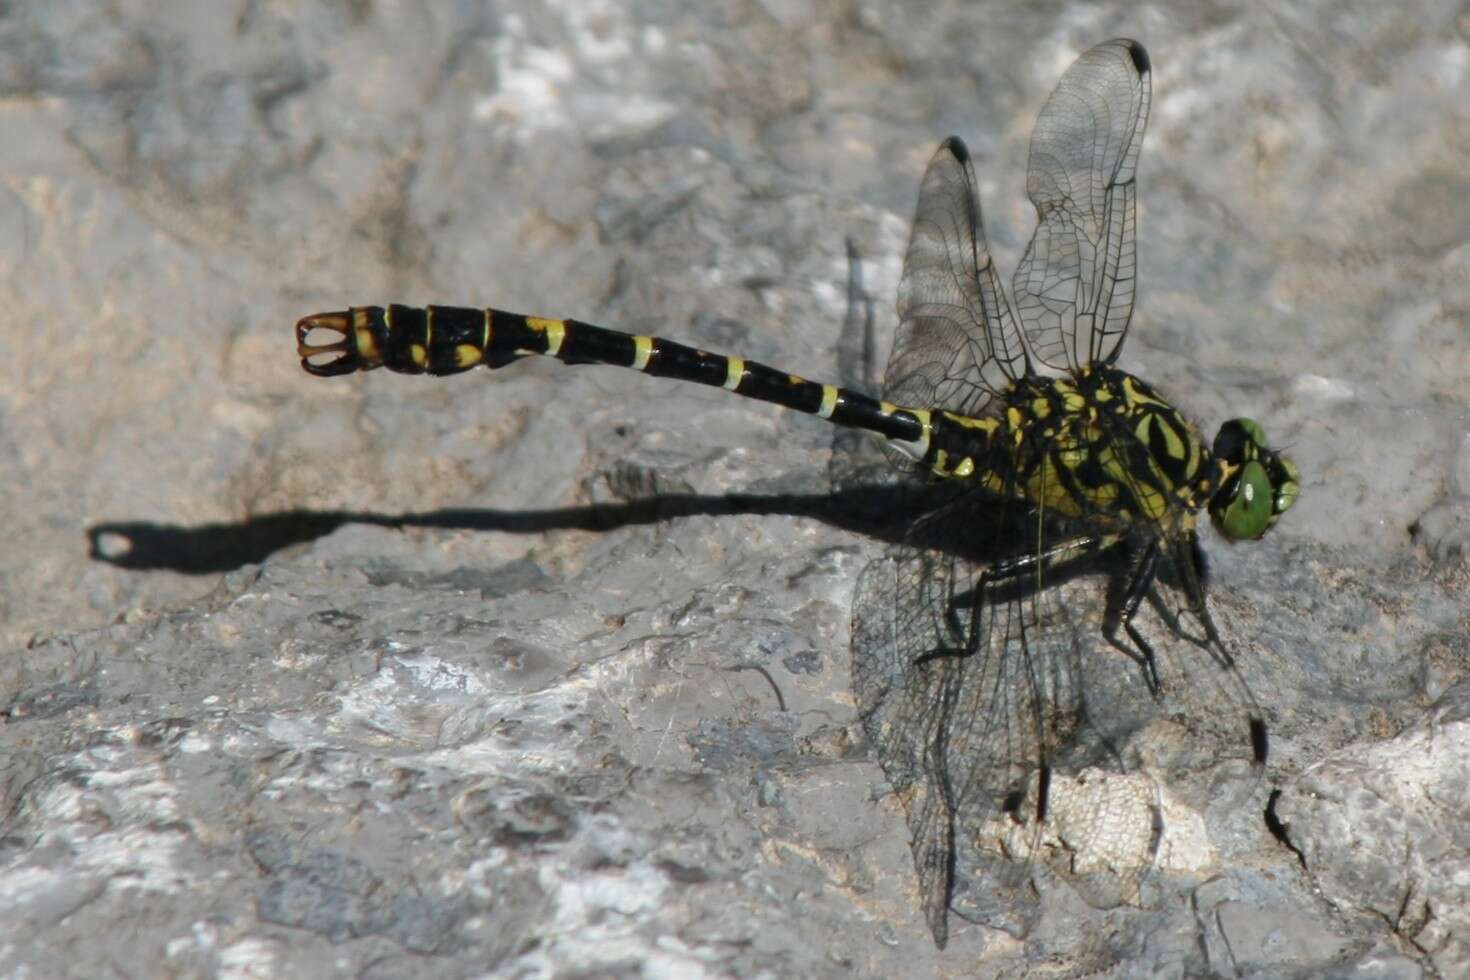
(545, 672)
(1383, 829)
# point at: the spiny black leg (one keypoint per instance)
(1007, 570)
(1172, 620)
(1190, 559)
(964, 633)
(965, 637)
(1139, 584)
(1061, 553)
(1189, 565)
(1143, 656)
(1194, 588)
(1142, 581)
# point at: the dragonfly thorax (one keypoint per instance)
(1100, 445)
(1103, 445)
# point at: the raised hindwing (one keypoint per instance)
(1074, 286)
(957, 346)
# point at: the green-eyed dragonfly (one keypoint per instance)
(965, 659)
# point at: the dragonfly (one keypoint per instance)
(1056, 462)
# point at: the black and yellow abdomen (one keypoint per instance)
(1099, 445)
(442, 340)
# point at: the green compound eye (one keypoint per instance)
(1259, 491)
(1250, 510)
(1252, 431)
(1284, 479)
(1240, 441)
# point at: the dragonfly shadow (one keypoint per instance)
(206, 549)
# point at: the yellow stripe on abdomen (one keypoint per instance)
(642, 351)
(555, 330)
(734, 372)
(829, 402)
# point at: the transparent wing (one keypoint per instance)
(966, 691)
(1004, 717)
(957, 344)
(1074, 286)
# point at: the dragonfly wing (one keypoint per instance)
(956, 696)
(1074, 286)
(957, 345)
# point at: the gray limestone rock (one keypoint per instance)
(547, 672)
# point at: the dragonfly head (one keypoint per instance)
(1257, 484)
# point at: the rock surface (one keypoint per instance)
(545, 672)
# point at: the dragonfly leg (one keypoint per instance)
(1013, 569)
(1190, 559)
(1051, 557)
(1139, 585)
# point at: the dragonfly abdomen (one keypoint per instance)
(449, 339)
